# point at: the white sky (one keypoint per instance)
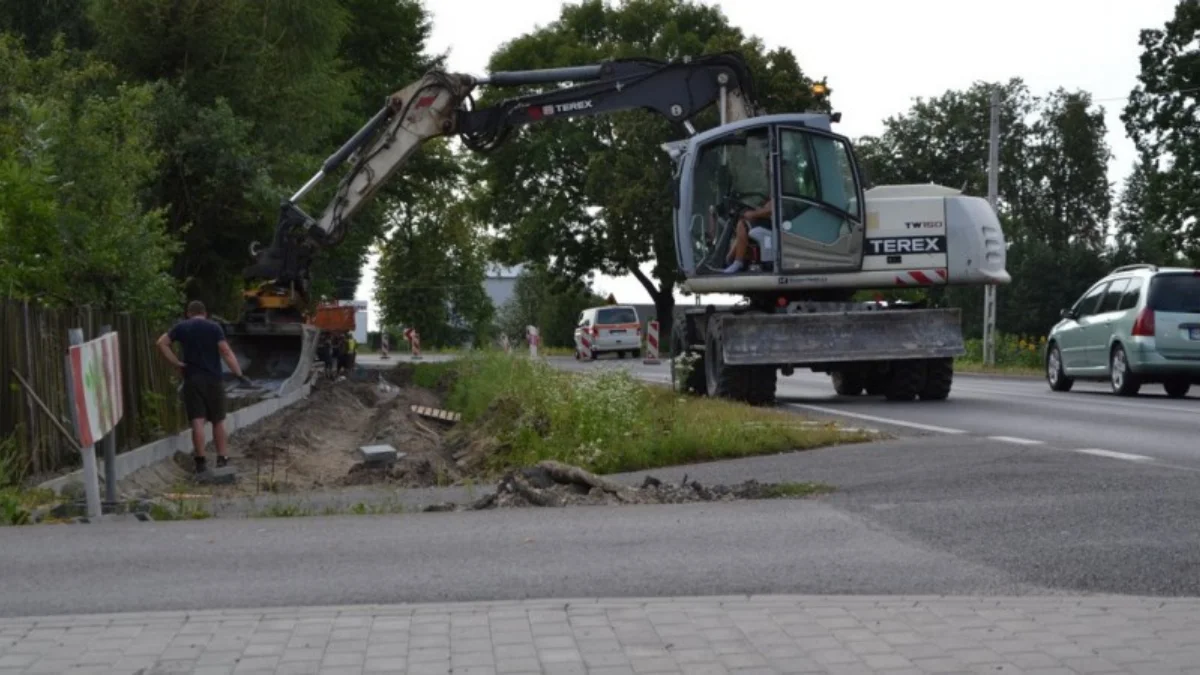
(880, 54)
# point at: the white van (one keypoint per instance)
(612, 328)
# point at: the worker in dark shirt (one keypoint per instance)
(203, 347)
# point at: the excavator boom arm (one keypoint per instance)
(435, 106)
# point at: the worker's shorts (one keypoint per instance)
(204, 398)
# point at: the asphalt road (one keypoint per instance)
(1024, 412)
(923, 515)
(944, 509)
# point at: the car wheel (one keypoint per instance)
(1177, 388)
(1054, 370)
(1124, 381)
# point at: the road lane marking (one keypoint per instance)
(1018, 441)
(881, 420)
(1085, 398)
(1114, 455)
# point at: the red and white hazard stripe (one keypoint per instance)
(414, 341)
(921, 277)
(585, 346)
(651, 343)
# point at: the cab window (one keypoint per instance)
(731, 173)
(816, 168)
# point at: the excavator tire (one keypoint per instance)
(939, 376)
(754, 385)
(847, 383)
(876, 384)
(905, 381)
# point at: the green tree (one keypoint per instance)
(75, 154)
(1161, 119)
(1143, 233)
(1054, 198)
(549, 302)
(432, 265)
(594, 194)
(249, 94)
(944, 140)
(39, 22)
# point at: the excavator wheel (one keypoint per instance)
(749, 384)
(905, 381)
(848, 383)
(939, 376)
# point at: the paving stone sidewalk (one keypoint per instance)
(758, 634)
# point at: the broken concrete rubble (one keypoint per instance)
(553, 484)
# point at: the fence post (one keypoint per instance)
(109, 444)
(35, 456)
(91, 483)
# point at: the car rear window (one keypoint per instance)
(616, 315)
(1176, 293)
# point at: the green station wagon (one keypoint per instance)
(1138, 325)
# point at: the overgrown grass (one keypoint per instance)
(1015, 355)
(610, 422)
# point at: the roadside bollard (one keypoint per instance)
(414, 339)
(651, 344)
(585, 347)
(531, 334)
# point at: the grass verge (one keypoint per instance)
(608, 422)
(977, 368)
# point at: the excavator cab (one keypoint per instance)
(806, 173)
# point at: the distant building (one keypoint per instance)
(500, 283)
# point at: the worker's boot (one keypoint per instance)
(222, 461)
(201, 464)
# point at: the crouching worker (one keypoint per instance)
(203, 347)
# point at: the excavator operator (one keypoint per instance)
(755, 223)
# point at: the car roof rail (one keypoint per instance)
(1138, 266)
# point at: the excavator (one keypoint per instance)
(818, 235)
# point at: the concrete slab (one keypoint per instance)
(225, 475)
(379, 454)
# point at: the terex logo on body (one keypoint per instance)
(567, 107)
(895, 245)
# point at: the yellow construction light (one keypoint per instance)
(819, 89)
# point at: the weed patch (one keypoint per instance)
(529, 411)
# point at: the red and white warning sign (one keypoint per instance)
(96, 382)
(651, 343)
(414, 341)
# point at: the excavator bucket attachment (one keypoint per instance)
(823, 337)
(277, 359)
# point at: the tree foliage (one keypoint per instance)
(1054, 197)
(594, 193)
(432, 265)
(76, 151)
(1163, 119)
(551, 303)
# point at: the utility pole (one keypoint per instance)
(989, 291)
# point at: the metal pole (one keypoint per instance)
(989, 291)
(109, 444)
(91, 481)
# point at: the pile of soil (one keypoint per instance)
(315, 443)
(553, 484)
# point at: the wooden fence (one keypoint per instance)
(33, 341)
